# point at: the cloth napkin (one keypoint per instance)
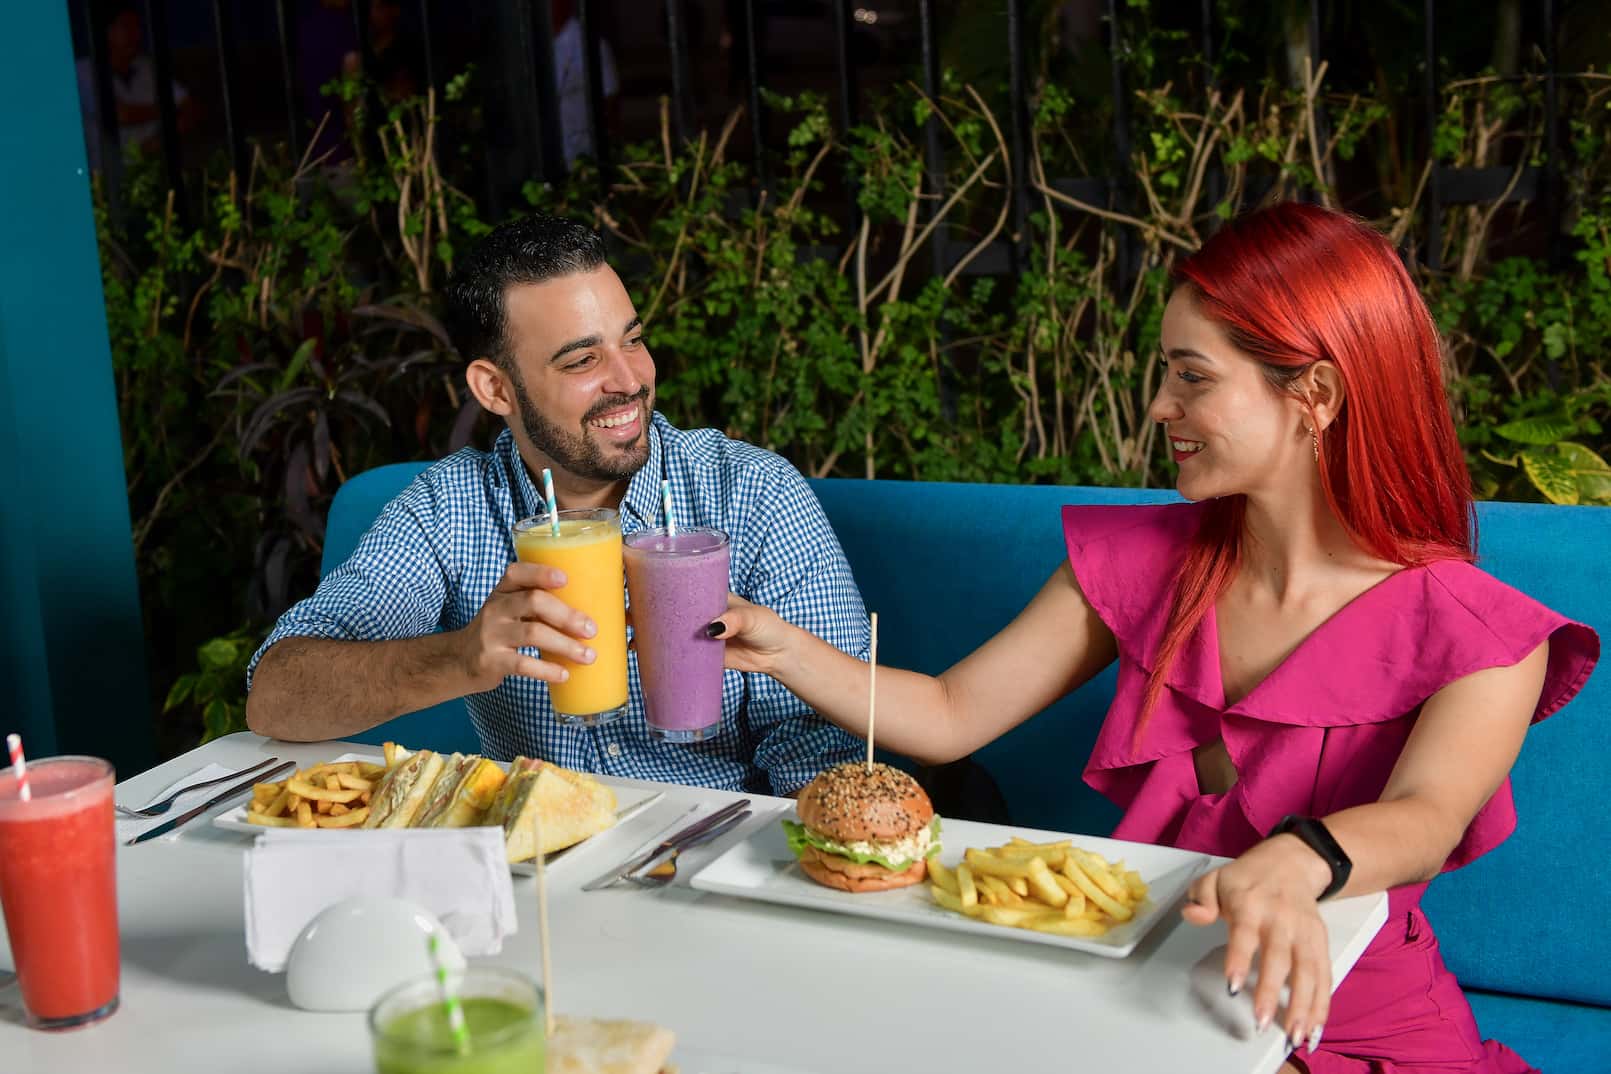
(461, 875)
(128, 828)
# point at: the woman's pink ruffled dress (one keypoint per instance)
(1321, 733)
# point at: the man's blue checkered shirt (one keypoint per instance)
(441, 546)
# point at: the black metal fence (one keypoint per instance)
(534, 94)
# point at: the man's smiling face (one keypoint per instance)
(582, 376)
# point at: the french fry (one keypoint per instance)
(293, 800)
(304, 789)
(354, 782)
(337, 809)
(369, 771)
(1052, 856)
(967, 890)
(346, 820)
(946, 899)
(277, 807)
(1058, 925)
(1076, 898)
(1046, 889)
(304, 815)
(322, 805)
(1073, 869)
(1019, 886)
(1136, 885)
(1001, 894)
(1097, 869)
(985, 864)
(943, 877)
(1014, 916)
(271, 822)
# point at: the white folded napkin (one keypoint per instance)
(461, 875)
(129, 827)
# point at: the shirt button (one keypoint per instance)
(613, 749)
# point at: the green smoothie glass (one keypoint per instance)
(503, 1015)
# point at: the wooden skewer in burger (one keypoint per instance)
(865, 827)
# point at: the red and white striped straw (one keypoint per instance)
(19, 766)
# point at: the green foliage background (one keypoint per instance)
(289, 337)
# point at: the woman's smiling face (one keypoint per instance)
(1228, 428)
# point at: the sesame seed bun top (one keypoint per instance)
(850, 804)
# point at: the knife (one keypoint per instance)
(671, 842)
(240, 788)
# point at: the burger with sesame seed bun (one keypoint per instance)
(864, 828)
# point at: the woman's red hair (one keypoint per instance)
(1296, 284)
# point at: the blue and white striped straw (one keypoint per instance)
(455, 1010)
(665, 504)
(553, 505)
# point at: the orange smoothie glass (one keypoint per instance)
(588, 550)
(58, 890)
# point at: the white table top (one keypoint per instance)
(747, 986)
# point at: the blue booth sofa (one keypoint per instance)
(946, 565)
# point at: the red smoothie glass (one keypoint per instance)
(678, 584)
(58, 889)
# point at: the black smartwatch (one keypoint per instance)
(1319, 840)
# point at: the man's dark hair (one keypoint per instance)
(528, 250)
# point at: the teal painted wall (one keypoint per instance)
(72, 675)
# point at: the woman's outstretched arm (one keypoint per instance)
(1056, 643)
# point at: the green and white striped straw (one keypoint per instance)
(553, 505)
(665, 505)
(455, 1010)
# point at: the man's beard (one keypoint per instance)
(580, 454)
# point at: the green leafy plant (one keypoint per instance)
(1563, 470)
(215, 687)
(933, 331)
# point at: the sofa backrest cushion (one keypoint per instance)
(947, 565)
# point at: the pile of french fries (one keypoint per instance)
(1048, 887)
(330, 795)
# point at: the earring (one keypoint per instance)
(1314, 439)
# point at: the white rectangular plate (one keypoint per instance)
(762, 867)
(629, 801)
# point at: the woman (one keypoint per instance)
(1313, 678)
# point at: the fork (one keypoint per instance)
(666, 871)
(162, 805)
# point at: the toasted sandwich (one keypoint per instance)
(402, 791)
(462, 794)
(608, 1046)
(568, 806)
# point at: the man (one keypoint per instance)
(556, 349)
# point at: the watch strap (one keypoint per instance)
(1320, 840)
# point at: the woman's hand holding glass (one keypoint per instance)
(757, 638)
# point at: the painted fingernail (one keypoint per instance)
(1314, 1037)
(1294, 1040)
(1234, 986)
(716, 629)
(1264, 1021)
